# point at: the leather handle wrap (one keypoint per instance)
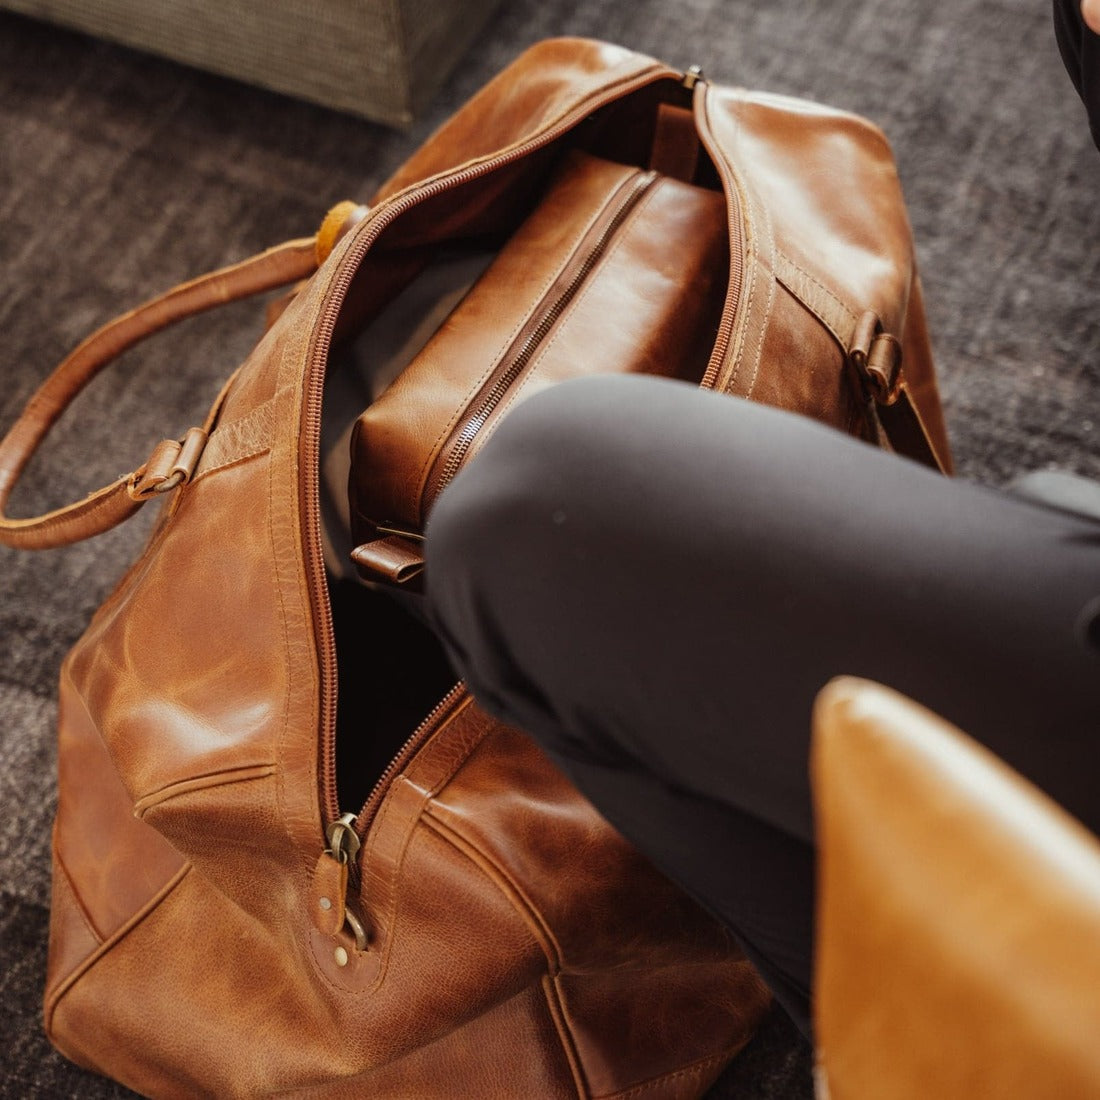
(109, 506)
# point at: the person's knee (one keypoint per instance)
(541, 456)
(1090, 11)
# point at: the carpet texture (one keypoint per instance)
(121, 174)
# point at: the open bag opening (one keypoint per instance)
(603, 251)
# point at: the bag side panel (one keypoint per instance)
(199, 999)
(202, 670)
(821, 204)
(647, 982)
(107, 864)
(799, 367)
(668, 1057)
(468, 1062)
(823, 186)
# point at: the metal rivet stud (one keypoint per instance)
(341, 956)
(325, 904)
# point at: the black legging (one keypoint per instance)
(1080, 49)
(655, 582)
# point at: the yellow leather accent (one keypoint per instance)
(332, 228)
(958, 950)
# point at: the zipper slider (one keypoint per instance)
(343, 840)
(692, 77)
(329, 892)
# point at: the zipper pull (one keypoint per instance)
(329, 892)
(692, 77)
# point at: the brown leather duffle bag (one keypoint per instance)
(220, 925)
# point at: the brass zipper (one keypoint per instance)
(730, 312)
(366, 234)
(420, 736)
(346, 833)
(516, 359)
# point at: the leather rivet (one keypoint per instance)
(325, 904)
(341, 956)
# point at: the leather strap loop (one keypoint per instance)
(875, 356)
(102, 510)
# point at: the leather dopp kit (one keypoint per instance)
(270, 874)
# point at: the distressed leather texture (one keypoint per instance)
(652, 299)
(498, 938)
(958, 953)
(510, 942)
(773, 230)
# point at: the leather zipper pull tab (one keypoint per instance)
(396, 557)
(329, 893)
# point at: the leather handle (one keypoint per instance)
(109, 506)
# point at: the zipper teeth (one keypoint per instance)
(473, 425)
(729, 311)
(408, 750)
(737, 248)
(309, 457)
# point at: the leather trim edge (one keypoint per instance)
(200, 782)
(503, 882)
(556, 1009)
(54, 997)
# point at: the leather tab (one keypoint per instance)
(159, 467)
(883, 368)
(171, 465)
(394, 558)
(675, 149)
(341, 218)
(328, 894)
(875, 357)
(191, 448)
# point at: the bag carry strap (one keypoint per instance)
(172, 462)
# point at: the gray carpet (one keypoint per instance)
(121, 174)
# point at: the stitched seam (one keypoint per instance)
(801, 298)
(393, 900)
(117, 938)
(229, 462)
(376, 829)
(244, 774)
(748, 238)
(748, 313)
(456, 763)
(605, 258)
(80, 510)
(280, 773)
(475, 389)
(85, 916)
(693, 1070)
(767, 314)
(503, 881)
(552, 994)
(236, 438)
(849, 315)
